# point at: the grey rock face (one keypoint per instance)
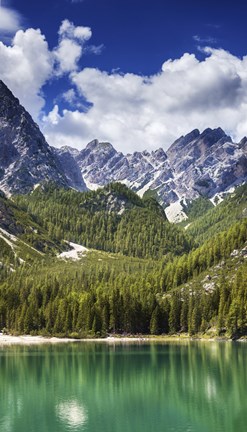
(25, 157)
(100, 164)
(196, 164)
(70, 168)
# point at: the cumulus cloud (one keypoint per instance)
(10, 20)
(69, 30)
(131, 111)
(71, 41)
(69, 96)
(73, 100)
(23, 70)
(67, 55)
(28, 63)
(135, 112)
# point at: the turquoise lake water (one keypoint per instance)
(171, 387)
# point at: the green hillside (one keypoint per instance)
(141, 274)
(112, 219)
(205, 224)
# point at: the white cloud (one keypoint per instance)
(69, 96)
(67, 55)
(73, 99)
(70, 48)
(28, 63)
(10, 20)
(69, 30)
(94, 49)
(23, 70)
(83, 33)
(131, 111)
(135, 112)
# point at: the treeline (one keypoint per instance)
(170, 286)
(98, 299)
(113, 219)
(196, 208)
(19, 223)
(184, 268)
(219, 218)
(122, 295)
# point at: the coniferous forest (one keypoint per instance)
(140, 275)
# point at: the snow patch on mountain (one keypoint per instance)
(175, 212)
(91, 186)
(76, 253)
(198, 164)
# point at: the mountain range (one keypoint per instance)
(82, 263)
(198, 164)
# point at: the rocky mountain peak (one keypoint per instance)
(92, 144)
(99, 146)
(196, 164)
(212, 136)
(67, 149)
(97, 153)
(243, 142)
(159, 153)
(182, 142)
(5, 91)
(25, 157)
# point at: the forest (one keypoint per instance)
(141, 274)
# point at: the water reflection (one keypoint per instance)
(72, 413)
(124, 388)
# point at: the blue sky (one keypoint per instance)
(136, 73)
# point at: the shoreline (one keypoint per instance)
(8, 340)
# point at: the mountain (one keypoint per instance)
(129, 269)
(26, 159)
(198, 164)
(100, 164)
(70, 168)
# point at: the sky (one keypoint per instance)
(136, 73)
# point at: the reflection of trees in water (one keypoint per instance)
(202, 383)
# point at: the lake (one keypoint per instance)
(131, 387)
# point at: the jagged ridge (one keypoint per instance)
(25, 157)
(197, 164)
